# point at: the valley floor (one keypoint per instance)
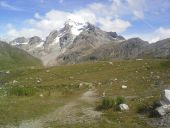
(67, 96)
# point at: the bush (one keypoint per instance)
(120, 100)
(108, 103)
(20, 91)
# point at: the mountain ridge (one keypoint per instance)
(77, 42)
(11, 57)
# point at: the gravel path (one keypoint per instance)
(73, 112)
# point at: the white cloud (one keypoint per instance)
(137, 7)
(152, 37)
(160, 33)
(116, 25)
(8, 6)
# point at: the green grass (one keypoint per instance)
(20, 91)
(59, 85)
(12, 57)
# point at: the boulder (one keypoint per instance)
(165, 97)
(123, 107)
(163, 110)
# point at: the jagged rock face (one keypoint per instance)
(50, 39)
(58, 40)
(116, 36)
(35, 40)
(85, 44)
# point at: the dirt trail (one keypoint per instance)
(74, 112)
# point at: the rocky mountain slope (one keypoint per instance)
(160, 49)
(11, 57)
(77, 42)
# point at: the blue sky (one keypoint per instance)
(148, 19)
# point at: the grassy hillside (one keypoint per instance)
(55, 97)
(11, 57)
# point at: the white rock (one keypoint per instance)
(7, 72)
(80, 85)
(14, 81)
(41, 95)
(165, 97)
(38, 81)
(99, 83)
(124, 86)
(124, 107)
(111, 63)
(104, 94)
(139, 59)
(115, 79)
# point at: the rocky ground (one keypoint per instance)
(162, 122)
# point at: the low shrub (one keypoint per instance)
(20, 91)
(107, 103)
(110, 103)
(120, 100)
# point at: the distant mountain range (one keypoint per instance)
(12, 57)
(77, 42)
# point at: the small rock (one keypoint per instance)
(47, 71)
(139, 59)
(41, 95)
(7, 72)
(80, 85)
(111, 63)
(124, 86)
(38, 81)
(124, 107)
(115, 79)
(14, 81)
(99, 83)
(104, 94)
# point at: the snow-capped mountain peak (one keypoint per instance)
(65, 36)
(76, 27)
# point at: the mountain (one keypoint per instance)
(77, 42)
(73, 38)
(126, 49)
(85, 44)
(12, 57)
(33, 45)
(160, 49)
